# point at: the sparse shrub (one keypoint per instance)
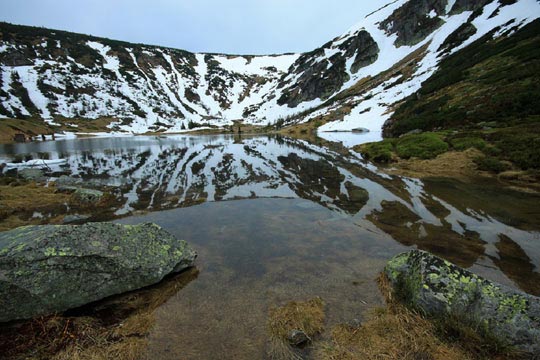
(491, 164)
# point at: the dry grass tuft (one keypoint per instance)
(388, 334)
(63, 338)
(117, 328)
(20, 199)
(305, 316)
(396, 332)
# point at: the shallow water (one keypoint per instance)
(275, 219)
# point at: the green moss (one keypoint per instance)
(489, 290)
(423, 146)
(378, 151)
(178, 253)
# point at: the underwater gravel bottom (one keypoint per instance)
(255, 255)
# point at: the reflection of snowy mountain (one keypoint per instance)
(155, 173)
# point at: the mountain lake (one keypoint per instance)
(275, 219)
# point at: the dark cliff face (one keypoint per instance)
(412, 22)
(417, 19)
(320, 77)
(365, 48)
(317, 79)
(457, 38)
(471, 5)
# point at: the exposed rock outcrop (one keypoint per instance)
(442, 289)
(415, 20)
(46, 269)
(321, 76)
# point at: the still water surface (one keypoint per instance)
(275, 219)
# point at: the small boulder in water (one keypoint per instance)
(49, 268)
(444, 290)
(298, 338)
(87, 196)
(31, 174)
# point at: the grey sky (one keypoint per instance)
(228, 26)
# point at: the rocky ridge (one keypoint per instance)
(353, 81)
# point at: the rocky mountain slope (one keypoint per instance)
(355, 80)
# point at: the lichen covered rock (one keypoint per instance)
(46, 269)
(442, 289)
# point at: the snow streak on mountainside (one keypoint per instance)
(352, 81)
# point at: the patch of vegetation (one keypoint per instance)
(21, 199)
(307, 316)
(491, 164)
(467, 142)
(520, 145)
(380, 152)
(423, 146)
(30, 127)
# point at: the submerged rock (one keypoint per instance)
(31, 174)
(74, 219)
(298, 338)
(46, 269)
(442, 289)
(88, 196)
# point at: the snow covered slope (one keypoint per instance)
(352, 81)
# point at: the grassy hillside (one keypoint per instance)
(495, 81)
(485, 96)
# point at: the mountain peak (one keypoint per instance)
(352, 81)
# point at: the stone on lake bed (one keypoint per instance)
(88, 196)
(298, 338)
(50, 268)
(444, 290)
(31, 174)
(74, 219)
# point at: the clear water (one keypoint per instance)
(275, 219)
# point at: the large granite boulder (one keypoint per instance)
(442, 289)
(46, 269)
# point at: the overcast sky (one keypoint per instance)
(228, 26)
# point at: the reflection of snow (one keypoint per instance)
(37, 163)
(180, 170)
